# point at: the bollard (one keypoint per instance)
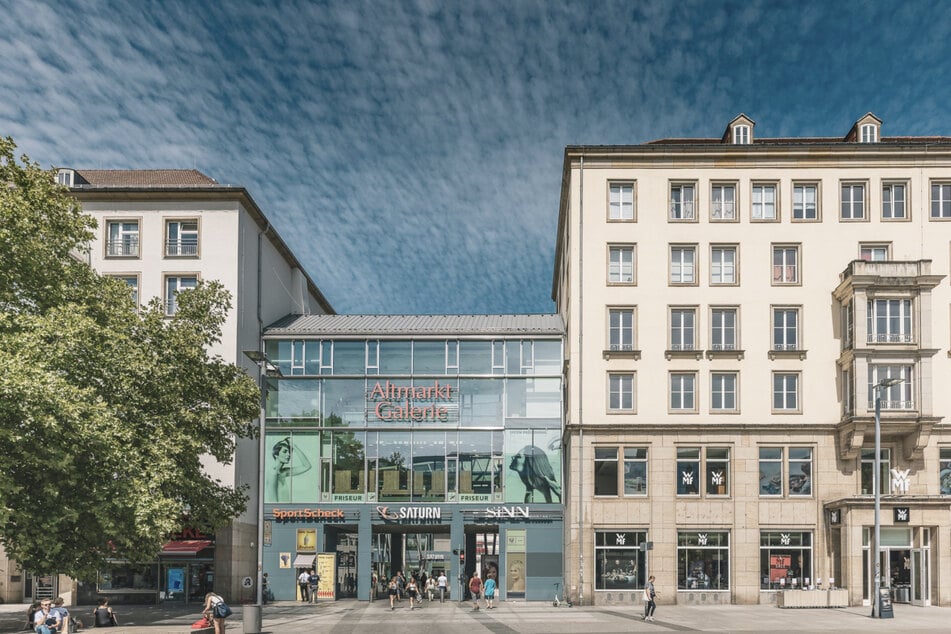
(251, 616)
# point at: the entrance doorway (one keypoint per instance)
(414, 551)
(905, 565)
(39, 587)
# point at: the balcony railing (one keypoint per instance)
(126, 247)
(181, 247)
(681, 346)
(621, 347)
(785, 346)
(893, 405)
(887, 337)
(723, 346)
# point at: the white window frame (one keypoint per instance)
(781, 397)
(783, 272)
(728, 389)
(868, 133)
(683, 391)
(875, 252)
(720, 333)
(171, 304)
(760, 204)
(624, 339)
(186, 245)
(899, 397)
(741, 134)
(683, 332)
(722, 210)
(621, 392)
(682, 208)
(890, 201)
(622, 270)
(683, 270)
(851, 208)
(621, 201)
(723, 273)
(123, 242)
(784, 329)
(804, 209)
(898, 316)
(940, 200)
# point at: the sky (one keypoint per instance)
(410, 152)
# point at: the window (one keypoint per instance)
(893, 201)
(621, 392)
(619, 562)
(621, 204)
(785, 328)
(703, 560)
(682, 202)
(621, 264)
(785, 264)
(941, 200)
(683, 328)
(621, 329)
(688, 471)
(723, 329)
(723, 391)
(683, 264)
(132, 281)
(65, 177)
(741, 134)
(853, 201)
(893, 397)
(944, 471)
(874, 252)
(123, 238)
(785, 559)
(723, 265)
(867, 469)
(764, 201)
(181, 238)
(805, 201)
(606, 470)
(775, 461)
(889, 321)
(786, 391)
(723, 202)
(173, 286)
(868, 133)
(682, 391)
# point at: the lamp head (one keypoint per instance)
(890, 381)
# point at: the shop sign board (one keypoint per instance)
(410, 513)
(411, 403)
(902, 514)
(284, 515)
(327, 570)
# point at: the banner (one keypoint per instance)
(533, 460)
(327, 569)
(291, 467)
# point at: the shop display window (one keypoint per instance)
(785, 560)
(703, 560)
(619, 562)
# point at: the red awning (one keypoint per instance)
(185, 547)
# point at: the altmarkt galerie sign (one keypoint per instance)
(412, 403)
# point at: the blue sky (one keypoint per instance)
(410, 153)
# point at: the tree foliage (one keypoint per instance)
(106, 411)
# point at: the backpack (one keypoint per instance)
(222, 611)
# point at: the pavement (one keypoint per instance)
(349, 616)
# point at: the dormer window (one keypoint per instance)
(868, 132)
(741, 135)
(65, 177)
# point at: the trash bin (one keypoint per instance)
(902, 594)
(251, 619)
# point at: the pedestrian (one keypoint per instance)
(45, 621)
(265, 588)
(69, 624)
(212, 600)
(649, 595)
(314, 581)
(400, 585)
(303, 582)
(103, 616)
(392, 589)
(412, 592)
(430, 588)
(475, 588)
(443, 584)
(489, 592)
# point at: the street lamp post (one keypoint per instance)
(877, 491)
(252, 617)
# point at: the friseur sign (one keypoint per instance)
(391, 402)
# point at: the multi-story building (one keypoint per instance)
(161, 231)
(734, 308)
(414, 443)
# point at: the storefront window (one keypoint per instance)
(688, 471)
(703, 560)
(344, 402)
(800, 471)
(429, 357)
(348, 465)
(944, 471)
(635, 471)
(475, 465)
(293, 399)
(393, 471)
(548, 358)
(481, 402)
(429, 466)
(785, 560)
(536, 400)
(396, 357)
(620, 564)
(121, 576)
(349, 357)
(475, 357)
(771, 471)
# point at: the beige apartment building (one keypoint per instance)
(733, 307)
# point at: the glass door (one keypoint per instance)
(921, 568)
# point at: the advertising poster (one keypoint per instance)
(285, 560)
(533, 466)
(291, 467)
(327, 569)
(515, 575)
(306, 540)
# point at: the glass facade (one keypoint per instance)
(414, 420)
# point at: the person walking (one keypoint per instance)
(303, 582)
(442, 583)
(490, 592)
(430, 588)
(475, 588)
(649, 595)
(265, 588)
(392, 589)
(412, 591)
(314, 581)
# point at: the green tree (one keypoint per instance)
(106, 412)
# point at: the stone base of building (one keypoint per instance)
(696, 597)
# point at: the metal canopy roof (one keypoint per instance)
(416, 325)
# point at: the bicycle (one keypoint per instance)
(557, 601)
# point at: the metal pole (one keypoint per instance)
(877, 490)
(261, 458)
